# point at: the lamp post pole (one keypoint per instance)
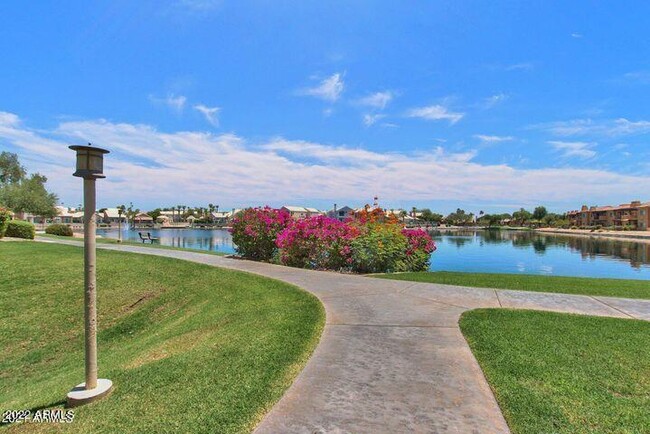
(89, 167)
(90, 282)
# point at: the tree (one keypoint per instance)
(11, 172)
(155, 213)
(521, 216)
(460, 217)
(539, 213)
(431, 217)
(20, 193)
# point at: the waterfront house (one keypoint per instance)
(341, 214)
(301, 212)
(143, 220)
(635, 215)
(112, 216)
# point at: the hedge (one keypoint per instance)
(20, 229)
(5, 216)
(59, 229)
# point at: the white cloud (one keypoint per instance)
(574, 149)
(153, 168)
(176, 103)
(638, 76)
(576, 35)
(493, 100)
(210, 113)
(370, 119)
(329, 89)
(378, 100)
(435, 113)
(493, 139)
(589, 127)
(519, 66)
(199, 5)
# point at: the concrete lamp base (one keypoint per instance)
(80, 396)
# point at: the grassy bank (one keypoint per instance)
(130, 243)
(560, 373)
(529, 282)
(189, 347)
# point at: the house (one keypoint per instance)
(341, 214)
(143, 220)
(634, 214)
(222, 218)
(301, 212)
(112, 216)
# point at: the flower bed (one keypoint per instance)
(369, 243)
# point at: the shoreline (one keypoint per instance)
(636, 236)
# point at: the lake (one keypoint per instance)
(522, 252)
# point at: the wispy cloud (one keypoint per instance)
(199, 5)
(590, 127)
(176, 103)
(377, 100)
(519, 66)
(329, 89)
(493, 139)
(574, 149)
(642, 77)
(210, 113)
(435, 113)
(370, 119)
(576, 35)
(494, 100)
(151, 168)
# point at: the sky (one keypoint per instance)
(484, 105)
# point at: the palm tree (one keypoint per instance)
(120, 211)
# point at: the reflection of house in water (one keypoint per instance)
(637, 253)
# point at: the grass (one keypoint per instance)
(528, 282)
(561, 373)
(130, 243)
(189, 347)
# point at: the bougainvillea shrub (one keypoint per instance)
(316, 242)
(254, 231)
(370, 242)
(419, 247)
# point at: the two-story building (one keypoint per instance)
(634, 214)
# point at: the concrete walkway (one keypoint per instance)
(392, 358)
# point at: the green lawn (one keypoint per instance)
(561, 373)
(529, 282)
(130, 243)
(189, 347)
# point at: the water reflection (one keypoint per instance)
(489, 251)
(534, 252)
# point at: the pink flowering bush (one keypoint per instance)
(361, 245)
(420, 245)
(254, 231)
(316, 242)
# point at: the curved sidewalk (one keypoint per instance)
(392, 357)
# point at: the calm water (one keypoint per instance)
(480, 251)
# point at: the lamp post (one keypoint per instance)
(90, 166)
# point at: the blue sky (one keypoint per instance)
(485, 105)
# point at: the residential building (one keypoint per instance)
(634, 214)
(112, 216)
(340, 214)
(301, 212)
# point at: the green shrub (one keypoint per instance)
(380, 249)
(59, 229)
(5, 216)
(20, 229)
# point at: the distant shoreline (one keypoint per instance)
(637, 236)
